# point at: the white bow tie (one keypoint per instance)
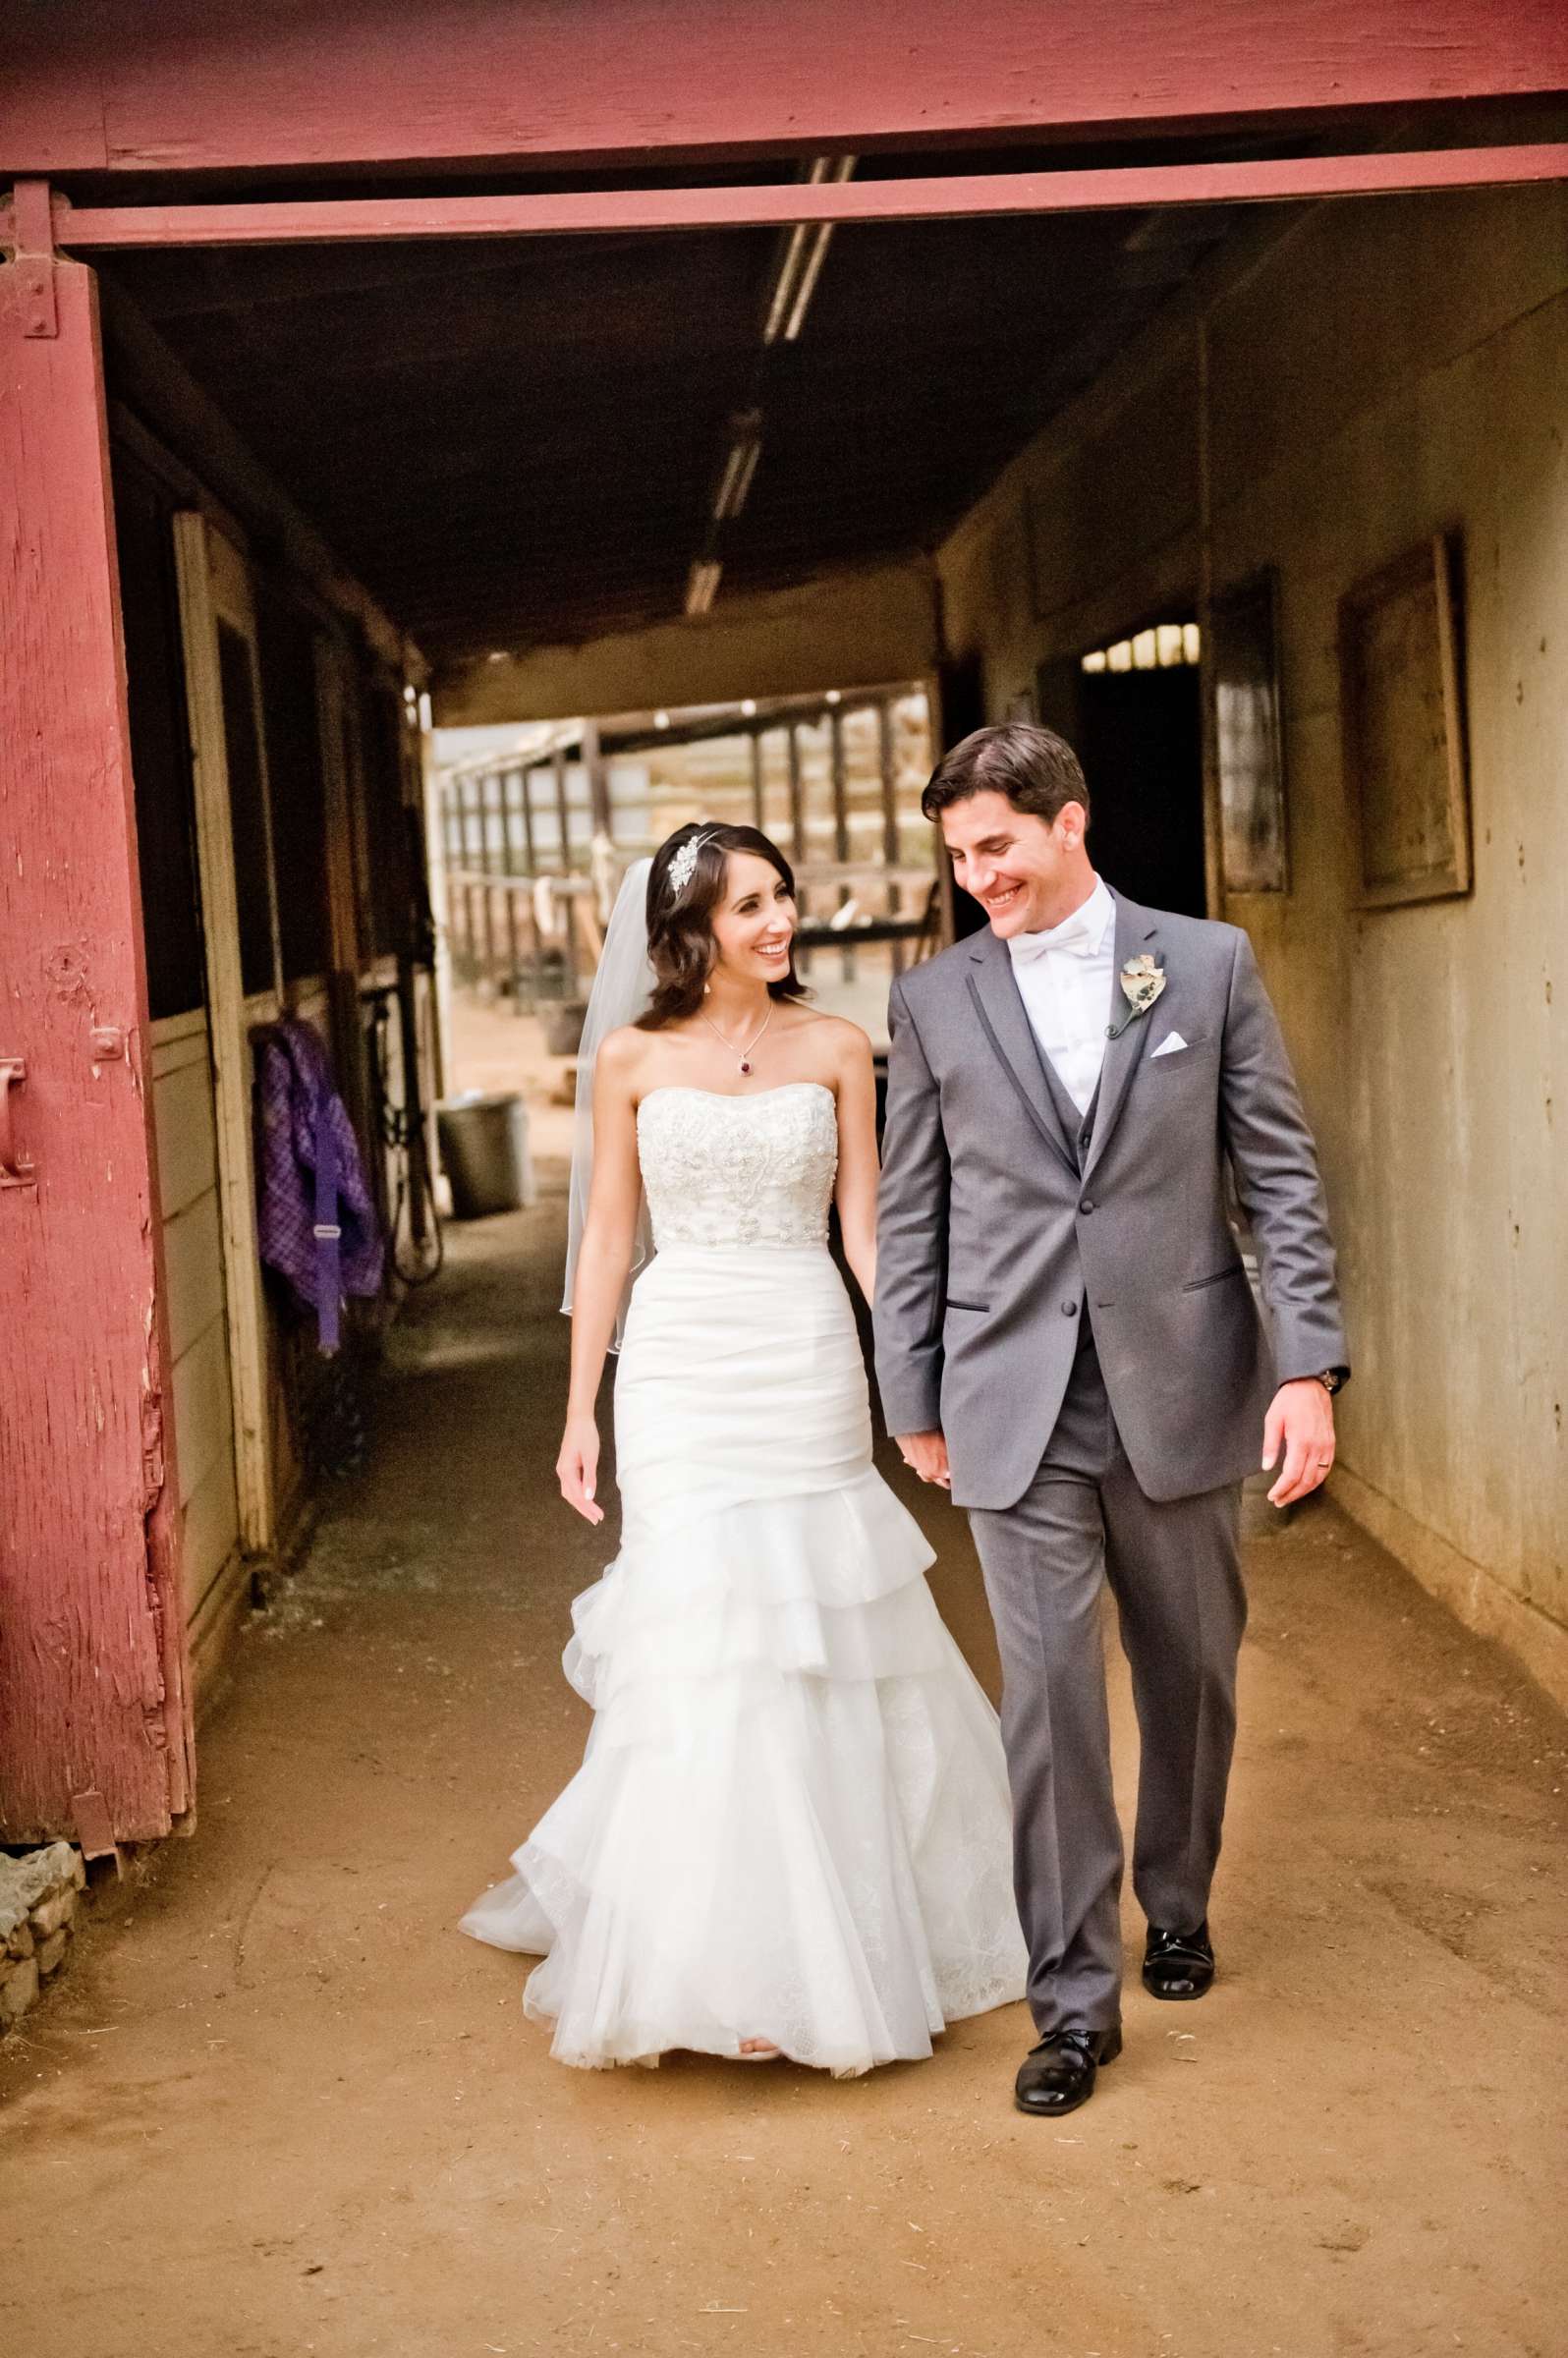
(1075, 935)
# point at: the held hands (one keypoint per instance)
(1300, 1427)
(578, 1467)
(927, 1453)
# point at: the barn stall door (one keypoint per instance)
(233, 852)
(94, 1701)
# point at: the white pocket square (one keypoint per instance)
(1168, 1045)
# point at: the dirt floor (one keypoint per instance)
(280, 2106)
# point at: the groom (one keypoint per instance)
(1067, 1339)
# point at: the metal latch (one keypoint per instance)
(16, 1169)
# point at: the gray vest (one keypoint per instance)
(1079, 1130)
(1076, 1128)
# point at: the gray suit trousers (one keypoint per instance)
(1174, 1569)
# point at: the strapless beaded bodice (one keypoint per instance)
(756, 1170)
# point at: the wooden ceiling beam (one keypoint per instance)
(222, 85)
(84, 229)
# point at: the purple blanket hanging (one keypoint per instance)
(316, 1220)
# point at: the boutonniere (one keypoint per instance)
(1143, 979)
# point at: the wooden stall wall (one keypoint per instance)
(272, 765)
(1376, 374)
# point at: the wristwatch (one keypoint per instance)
(1331, 1378)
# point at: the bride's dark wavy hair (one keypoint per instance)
(680, 924)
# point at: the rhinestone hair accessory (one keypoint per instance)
(683, 866)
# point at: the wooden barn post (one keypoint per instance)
(94, 1713)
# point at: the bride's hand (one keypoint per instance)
(578, 1467)
(925, 1454)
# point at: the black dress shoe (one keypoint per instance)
(1178, 1964)
(1058, 2075)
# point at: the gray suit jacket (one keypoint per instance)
(990, 1235)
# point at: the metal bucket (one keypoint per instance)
(485, 1151)
(563, 1028)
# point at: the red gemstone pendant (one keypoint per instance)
(744, 1067)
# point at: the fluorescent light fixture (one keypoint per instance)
(786, 279)
(727, 482)
(739, 465)
(749, 455)
(702, 584)
(802, 255)
(821, 238)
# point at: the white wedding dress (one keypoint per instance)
(792, 1819)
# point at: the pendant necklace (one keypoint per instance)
(745, 1054)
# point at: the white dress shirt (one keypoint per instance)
(1064, 979)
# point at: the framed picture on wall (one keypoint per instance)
(1248, 740)
(1404, 730)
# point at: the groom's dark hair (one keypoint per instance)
(1038, 771)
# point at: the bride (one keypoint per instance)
(790, 1833)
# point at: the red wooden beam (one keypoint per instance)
(317, 221)
(93, 1704)
(224, 84)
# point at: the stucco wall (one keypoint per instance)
(1387, 370)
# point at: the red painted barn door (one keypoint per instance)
(94, 1719)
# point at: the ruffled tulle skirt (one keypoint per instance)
(792, 1819)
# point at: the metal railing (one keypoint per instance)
(528, 940)
(845, 905)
